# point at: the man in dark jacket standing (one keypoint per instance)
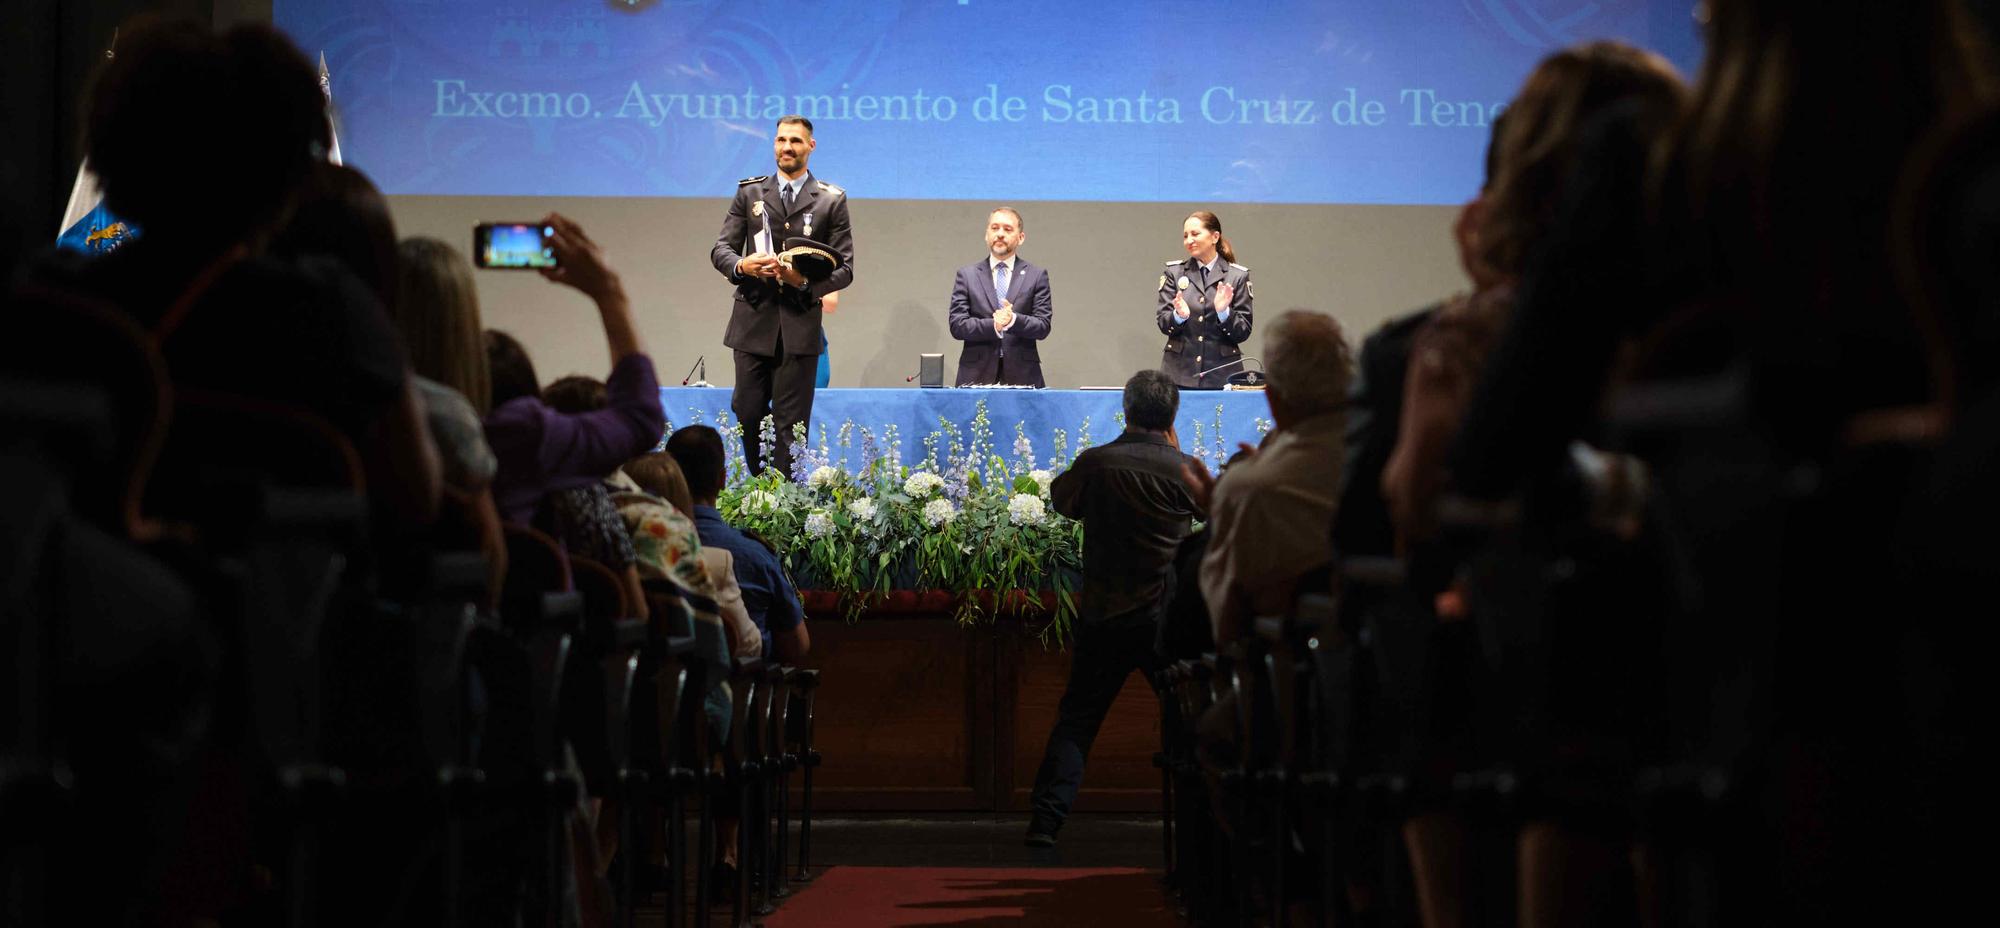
(1135, 509)
(774, 325)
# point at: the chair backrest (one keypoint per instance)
(66, 340)
(604, 595)
(223, 451)
(537, 569)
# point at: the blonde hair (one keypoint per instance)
(437, 310)
(659, 474)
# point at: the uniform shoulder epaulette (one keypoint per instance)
(829, 188)
(752, 180)
(1238, 266)
(1176, 262)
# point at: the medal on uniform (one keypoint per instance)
(807, 231)
(757, 208)
(1184, 282)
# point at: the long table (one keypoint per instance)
(1210, 424)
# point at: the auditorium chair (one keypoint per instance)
(442, 625)
(788, 763)
(730, 787)
(543, 614)
(97, 638)
(271, 496)
(665, 738)
(799, 718)
(767, 851)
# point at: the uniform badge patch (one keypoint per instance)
(757, 208)
(1184, 282)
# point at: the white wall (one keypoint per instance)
(1364, 264)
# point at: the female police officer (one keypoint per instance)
(1204, 307)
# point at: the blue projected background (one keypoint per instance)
(1284, 101)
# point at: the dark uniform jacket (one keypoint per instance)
(1135, 508)
(1203, 342)
(971, 321)
(765, 308)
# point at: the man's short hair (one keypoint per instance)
(801, 120)
(1020, 225)
(1306, 358)
(698, 450)
(1151, 400)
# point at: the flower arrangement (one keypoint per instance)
(963, 518)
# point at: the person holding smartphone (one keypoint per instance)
(775, 324)
(1204, 307)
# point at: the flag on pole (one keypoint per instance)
(87, 226)
(326, 87)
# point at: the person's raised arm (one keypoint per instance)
(584, 268)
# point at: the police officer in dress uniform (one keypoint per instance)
(774, 326)
(1204, 307)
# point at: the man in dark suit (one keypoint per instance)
(1000, 308)
(774, 326)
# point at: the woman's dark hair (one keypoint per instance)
(1212, 224)
(207, 134)
(1799, 127)
(698, 450)
(513, 374)
(1535, 142)
(575, 394)
(340, 215)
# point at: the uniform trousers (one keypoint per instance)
(781, 386)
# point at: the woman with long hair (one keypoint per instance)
(1204, 307)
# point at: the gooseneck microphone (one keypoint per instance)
(692, 368)
(1260, 366)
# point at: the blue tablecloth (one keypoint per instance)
(1219, 418)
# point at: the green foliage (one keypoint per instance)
(963, 520)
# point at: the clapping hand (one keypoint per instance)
(1225, 296)
(1180, 307)
(1005, 317)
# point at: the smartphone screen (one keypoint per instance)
(512, 245)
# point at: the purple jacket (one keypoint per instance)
(541, 450)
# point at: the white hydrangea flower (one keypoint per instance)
(758, 502)
(823, 476)
(1025, 509)
(819, 524)
(862, 509)
(1042, 479)
(922, 484)
(939, 511)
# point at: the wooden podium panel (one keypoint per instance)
(917, 713)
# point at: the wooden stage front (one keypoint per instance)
(918, 713)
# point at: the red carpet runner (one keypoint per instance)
(853, 897)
